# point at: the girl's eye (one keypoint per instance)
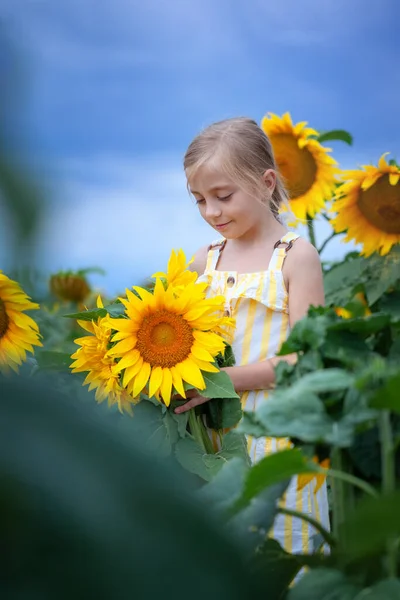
(199, 200)
(224, 197)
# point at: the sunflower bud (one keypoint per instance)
(71, 287)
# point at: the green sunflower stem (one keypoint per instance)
(311, 232)
(199, 433)
(328, 537)
(388, 482)
(326, 242)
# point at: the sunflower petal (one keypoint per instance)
(166, 386)
(156, 379)
(141, 379)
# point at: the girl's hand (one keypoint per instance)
(195, 400)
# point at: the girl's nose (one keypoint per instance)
(213, 210)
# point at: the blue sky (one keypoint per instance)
(117, 89)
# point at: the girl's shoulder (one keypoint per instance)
(200, 258)
(302, 251)
(302, 265)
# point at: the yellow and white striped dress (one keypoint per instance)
(259, 303)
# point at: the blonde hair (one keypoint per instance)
(244, 153)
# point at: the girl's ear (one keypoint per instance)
(270, 179)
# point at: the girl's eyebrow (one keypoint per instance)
(216, 188)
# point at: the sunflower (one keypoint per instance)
(306, 478)
(18, 332)
(103, 375)
(307, 169)
(177, 274)
(362, 308)
(168, 338)
(71, 287)
(368, 207)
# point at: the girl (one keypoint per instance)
(269, 277)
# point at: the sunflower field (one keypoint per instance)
(107, 490)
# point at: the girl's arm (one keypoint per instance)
(303, 277)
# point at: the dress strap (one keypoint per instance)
(214, 252)
(279, 253)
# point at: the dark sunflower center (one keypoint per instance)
(4, 319)
(380, 205)
(296, 165)
(164, 339)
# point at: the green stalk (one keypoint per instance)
(325, 242)
(328, 537)
(344, 477)
(311, 232)
(198, 432)
(206, 440)
(388, 482)
(338, 508)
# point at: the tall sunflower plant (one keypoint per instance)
(310, 173)
(154, 347)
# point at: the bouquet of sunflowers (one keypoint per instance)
(155, 344)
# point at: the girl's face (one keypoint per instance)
(224, 205)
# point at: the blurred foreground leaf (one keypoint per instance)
(85, 513)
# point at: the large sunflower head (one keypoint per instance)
(178, 275)
(368, 207)
(305, 165)
(168, 338)
(103, 373)
(18, 331)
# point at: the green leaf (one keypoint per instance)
(366, 531)
(297, 412)
(234, 445)
(87, 514)
(365, 325)
(192, 458)
(218, 385)
(180, 419)
(384, 274)
(340, 135)
(228, 359)
(226, 487)
(157, 428)
(309, 332)
(389, 589)
(341, 280)
(390, 303)
(324, 584)
(365, 454)
(277, 568)
(303, 417)
(53, 361)
(346, 347)
(223, 413)
(356, 409)
(325, 380)
(273, 469)
(388, 397)
(115, 310)
(88, 315)
(252, 524)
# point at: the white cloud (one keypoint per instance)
(129, 226)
